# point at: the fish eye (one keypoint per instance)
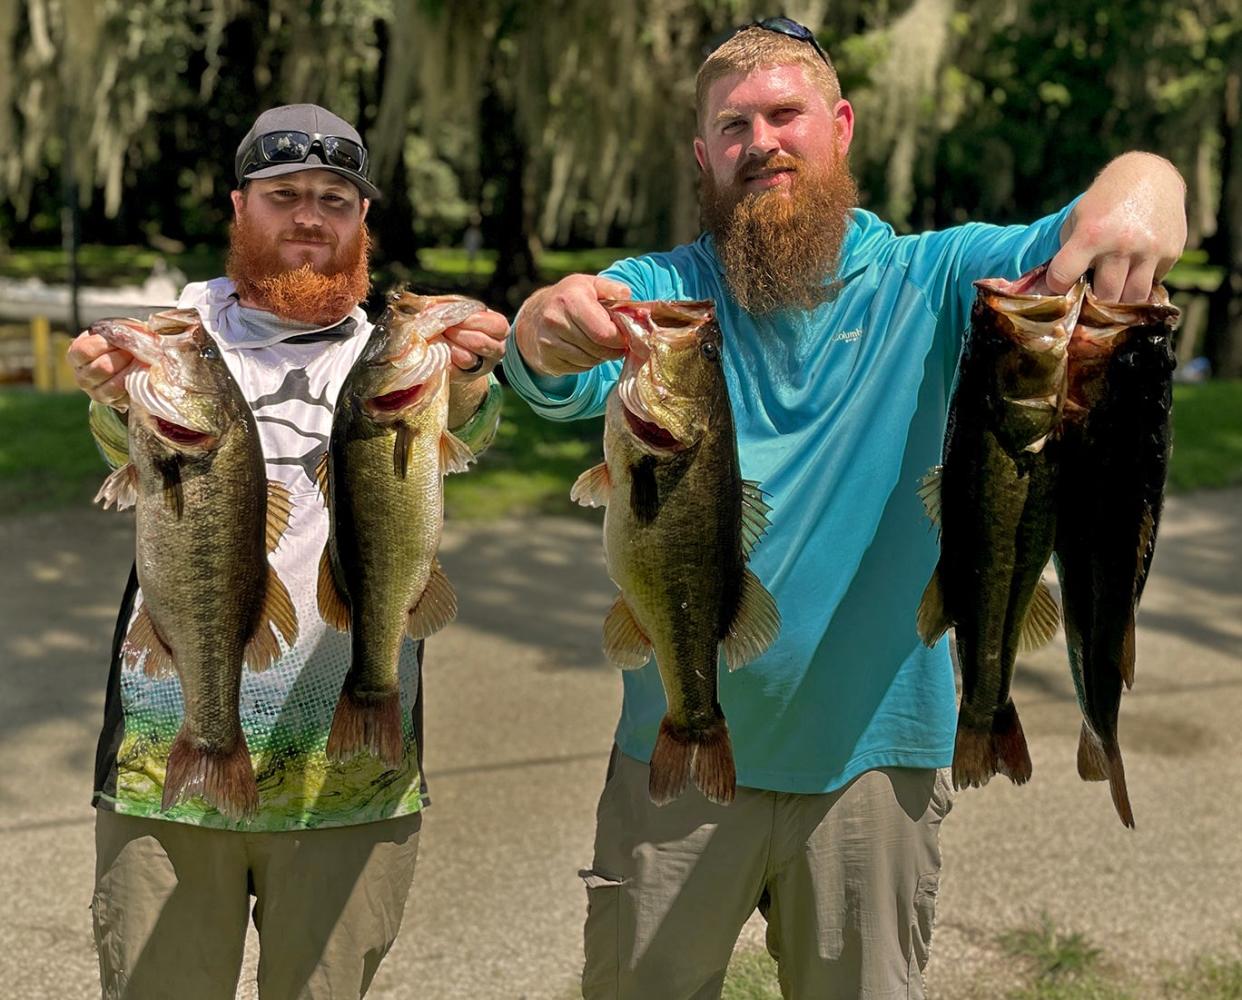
(210, 352)
(709, 351)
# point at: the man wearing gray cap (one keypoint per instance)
(329, 854)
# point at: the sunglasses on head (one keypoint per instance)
(782, 26)
(293, 146)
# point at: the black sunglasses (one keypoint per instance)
(782, 26)
(293, 146)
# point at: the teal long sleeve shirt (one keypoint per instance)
(839, 411)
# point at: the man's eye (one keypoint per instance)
(733, 127)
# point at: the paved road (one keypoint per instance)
(520, 709)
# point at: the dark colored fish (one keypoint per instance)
(996, 505)
(679, 527)
(383, 480)
(206, 520)
(1114, 456)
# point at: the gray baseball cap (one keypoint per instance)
(333, 145)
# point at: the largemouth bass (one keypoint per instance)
(1114, 456)
(679, 527)
(206, 520)
(995, 499)
(383, 480)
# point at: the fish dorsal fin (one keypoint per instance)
(754, 516)
(1127, 654)
(755, 623)
(143, 638)
(435, 607)
(279, 509)
(278, 616)
(1146, 547)
(593, 488)
(333, 605)
(625, 643)
(321, 474)
(120, 489)
(929, 493)
(933, 620)
(1042, 619)
(455, 454)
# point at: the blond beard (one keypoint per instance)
(301, 293)
(780, 249)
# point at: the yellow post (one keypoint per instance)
(41, 343)
(63, 377)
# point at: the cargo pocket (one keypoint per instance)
(602, 935)
(924, 922)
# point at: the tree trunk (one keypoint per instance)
(1223, 344)
(508, 226)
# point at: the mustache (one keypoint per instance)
(749, 169)
(305, 234)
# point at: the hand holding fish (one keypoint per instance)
(1130, 226)
(478, 344)
(100, 369)
(563, 329)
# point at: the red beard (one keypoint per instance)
(780, 248)
(303, 294)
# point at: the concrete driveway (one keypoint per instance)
(520, 710)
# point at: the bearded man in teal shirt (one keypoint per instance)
(840, 344)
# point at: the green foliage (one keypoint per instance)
(1052, 953)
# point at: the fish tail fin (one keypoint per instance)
(1101, 761)
(713, 768)
(1012, 759)
(373, 725)
(670, 763)
(222, 779)
(973, 759)
(999, 749)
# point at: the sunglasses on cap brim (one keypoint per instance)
(293, 146)
(780, 25)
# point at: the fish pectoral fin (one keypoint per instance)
(120, 489)
(143, 638)
(279, 509)
(625, 643)
(1042, 618)
(929, 493)
(755, 623)
(402, 449)
(455, 454)
(435, 607)
(933, 620)
(333, 605)
(593, 488)
(277, 616)
(755, 510)
(321, 474)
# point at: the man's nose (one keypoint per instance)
(764, 140)
(307, 211)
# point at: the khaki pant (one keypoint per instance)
(171, 903)
(846, 880)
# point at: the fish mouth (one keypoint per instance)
(183, 437)
(398, 399)
(652, 434)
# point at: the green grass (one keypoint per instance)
(751, 976)
(1207, 436)
(1060, 966)
(47, 457)
(529, 468)
(1211, 978)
